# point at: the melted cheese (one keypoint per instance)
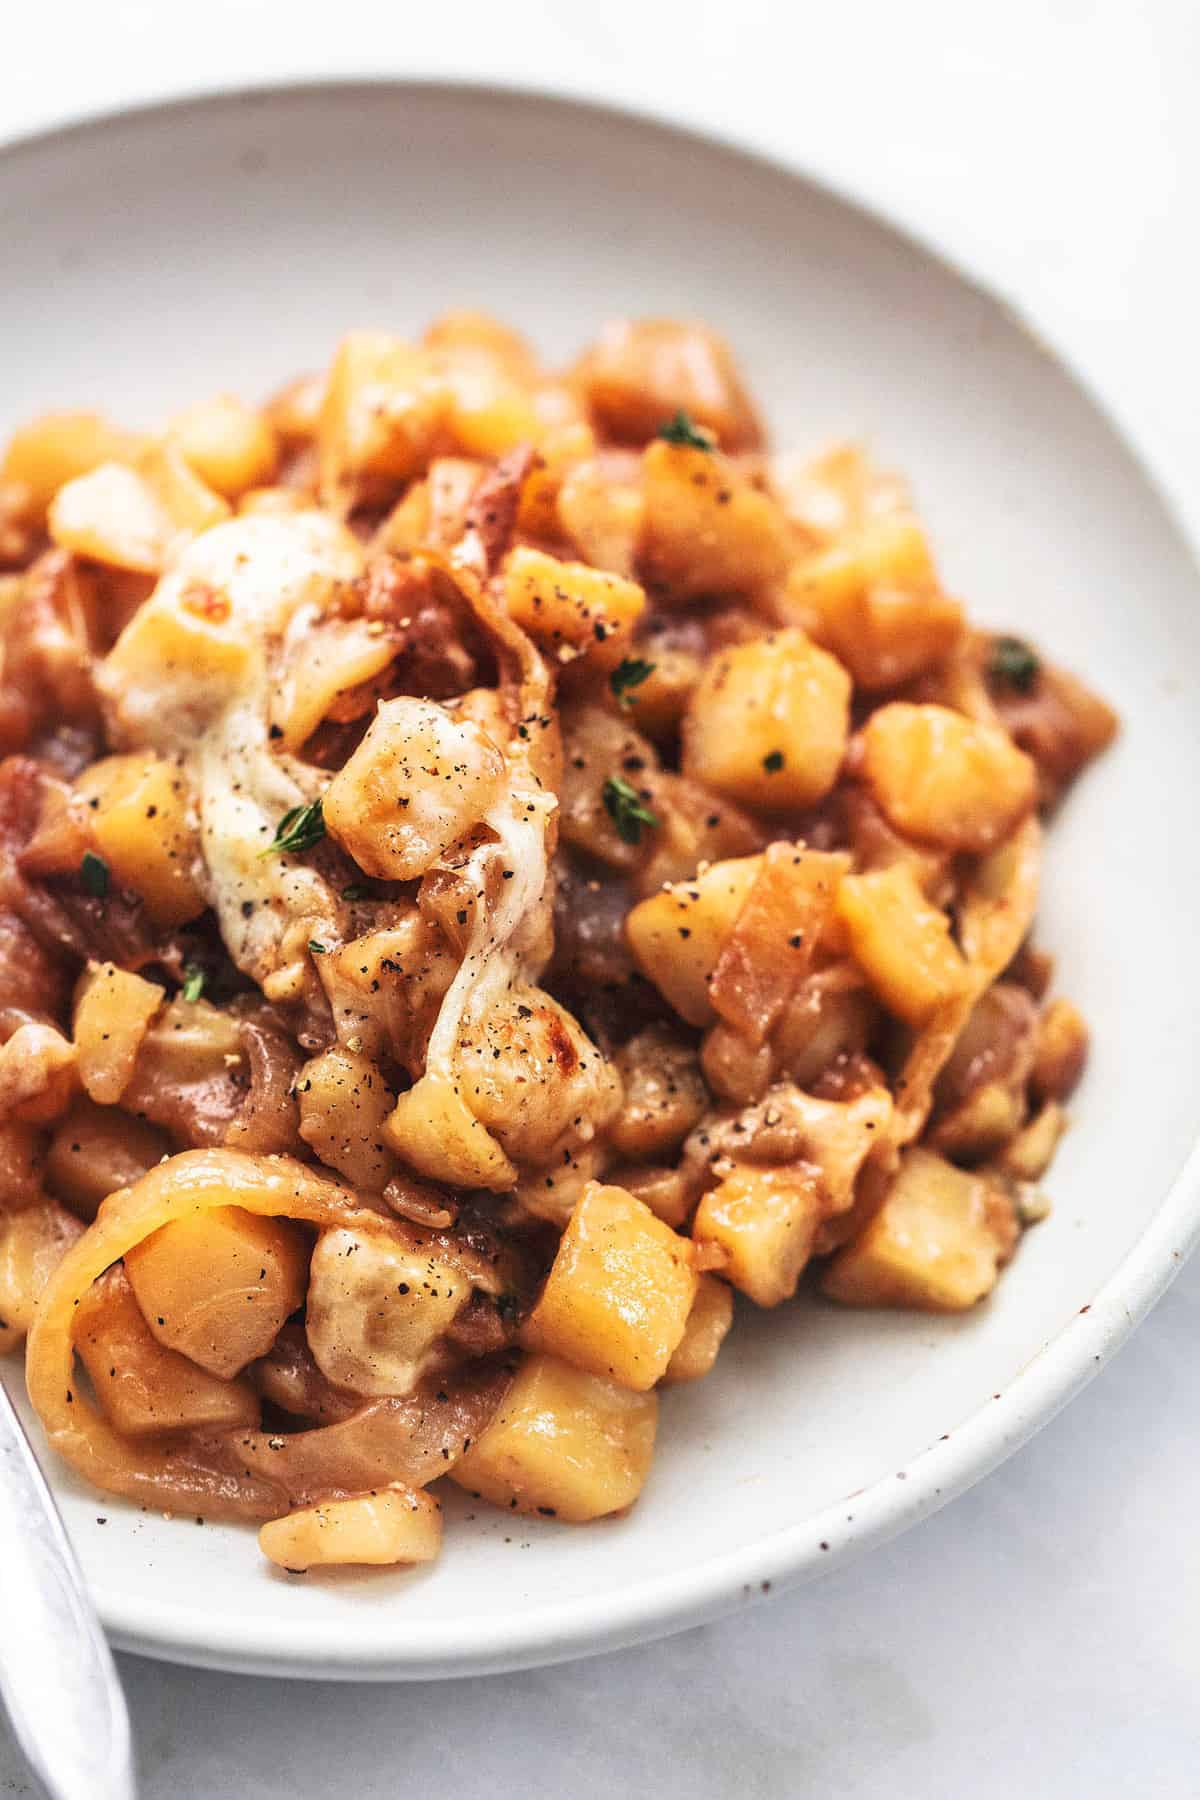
(192, 673)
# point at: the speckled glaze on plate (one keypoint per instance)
(225, 243)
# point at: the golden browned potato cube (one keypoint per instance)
(133, 517)
(935, 1244)
(569, 609)
(764, 1222)
(142, 818)
(707, 1327)
(344, 1101)
(383, 410)
(602, 514)
(657, 704)
(419, 779)
(664, 1190)
(113, 1008)
(640, 372)
(230, 445)
(143, 1387)
(873, 597)
(33, 1242)
(768, 723)
(677, 934)
(217, 1286)
(564, 1444)
(902, 943)
(1062, 1048)
(395, 1524)
(617, 1298)
(665, 1094)
(45, 454)
(97, 1149)
(707, 530)
(944, 778)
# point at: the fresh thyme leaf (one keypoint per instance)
(93, 872)
(298, 830)
(1014, 662)
(680, 430)
(624, 807)
(773, 762)
(317, 949)
(630, 674)
(193, 982)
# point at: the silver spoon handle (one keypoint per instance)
(57, 1678)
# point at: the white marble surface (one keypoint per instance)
(1042, 1635)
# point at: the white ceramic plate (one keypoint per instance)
(152, 258)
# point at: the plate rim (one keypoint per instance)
(1064, 1364)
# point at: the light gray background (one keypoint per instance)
(1042, 1635)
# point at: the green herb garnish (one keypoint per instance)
(298, 830)
(680, 430)
(630, 674)
(317, 949)
(93, 872)
(773, 762)
(1014, 662)
(625, 809)
(193, 982)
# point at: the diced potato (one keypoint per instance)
(564, 1444)
(142, 819)
(902, 943)
(764, 1222)
(113, 1008)
(664, 1094)
(187, 1073)
(377, 1307)
(468, 330)
(418, 781)
(599, 748)
(707, 1326)
(38, 1074)
(657, 704)
(617, 1298)
(48, 452)
(677, 935)
(873, 597)
(944, 778)
(218, 1285)
(561, 450)
(1062, 1048)
(664, 1190)
(395, 1524)
(935, 1244)
(695, 827)
(97, 1149)
(132, 517)
(33, 1242)
(788, 913)
(344, 1101)
(602, 516)
(142, 1387)
(640, 372)
(1031, 1151)
(769, 721)
(569, 609)
(489, 412)
(383, 410)
(230, 445)
(707, 530)
(734, 1067)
